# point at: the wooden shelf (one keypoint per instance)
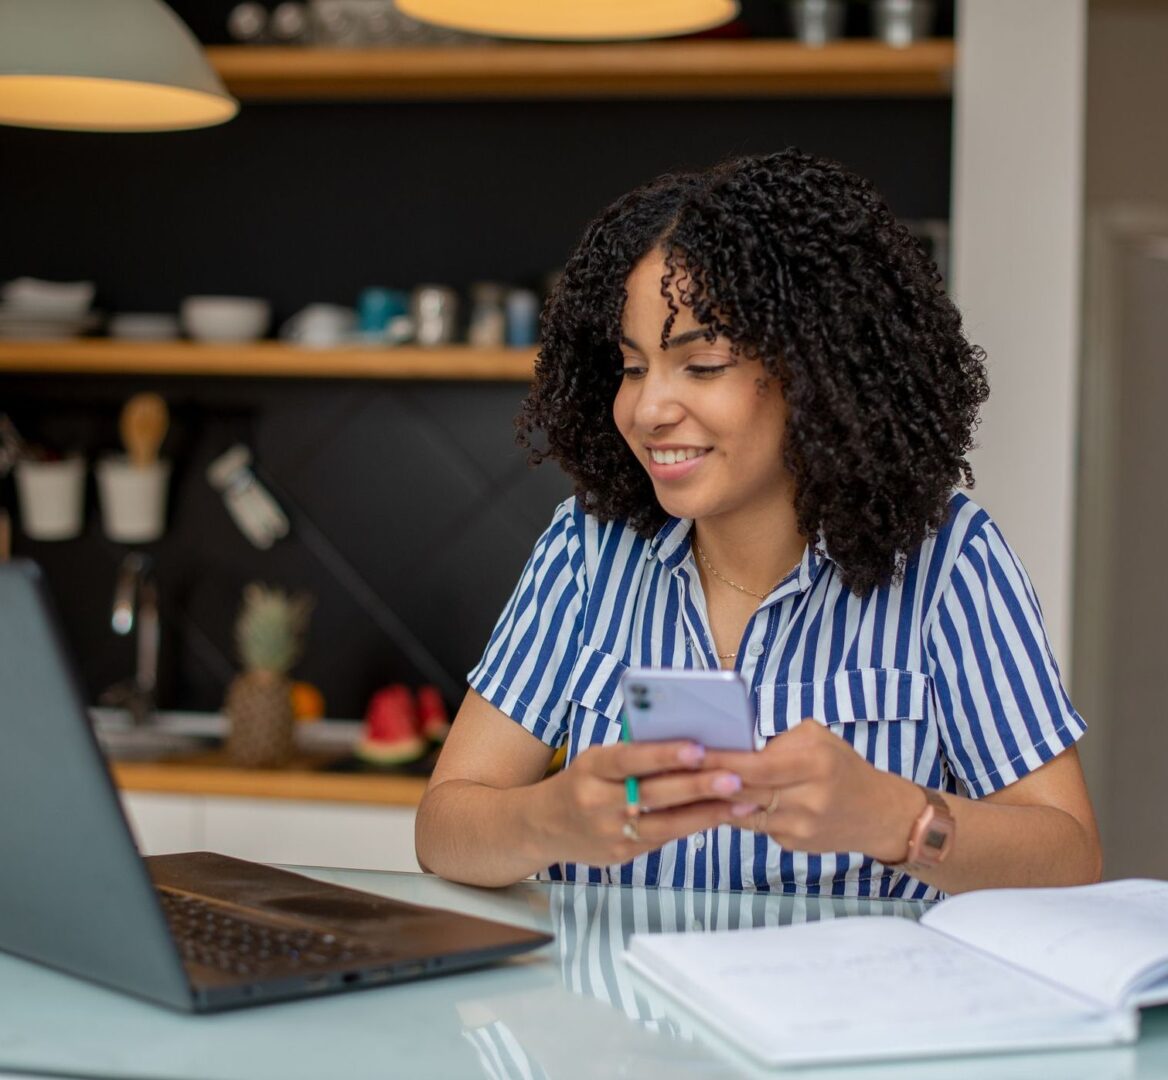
(706, 68)
(263, 359)
(211, 774)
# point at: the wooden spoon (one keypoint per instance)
(142, 426)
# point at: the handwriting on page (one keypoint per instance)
(862, 974)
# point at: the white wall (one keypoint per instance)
(1017, 212)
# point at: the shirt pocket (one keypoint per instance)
(595, 700)
(855, 704)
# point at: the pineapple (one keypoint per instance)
(269, 634)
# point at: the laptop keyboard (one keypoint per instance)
(208, 934)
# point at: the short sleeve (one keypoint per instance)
(525, 668)
(1001, 703)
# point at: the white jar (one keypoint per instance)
(52, 497)
(133, 498)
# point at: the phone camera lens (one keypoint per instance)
(639, 696)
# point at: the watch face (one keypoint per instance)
(935, 839)
(931, 836)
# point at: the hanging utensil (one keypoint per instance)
(251, 506)
(142, 426)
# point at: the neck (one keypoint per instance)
(757, 550)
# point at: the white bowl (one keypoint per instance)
(49, 299)
(143, 326)
(225, 318)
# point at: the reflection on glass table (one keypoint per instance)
(567, 1011)
(592, 925)
(570, 1029)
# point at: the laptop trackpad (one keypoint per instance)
(280, 892)
(328, 907)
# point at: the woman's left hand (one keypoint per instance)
(809, 790)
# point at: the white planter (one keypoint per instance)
(52, 498)
(133, 499)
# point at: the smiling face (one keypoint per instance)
(694, 415)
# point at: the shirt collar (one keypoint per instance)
(672, 544)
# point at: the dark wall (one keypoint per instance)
(312, 202)
(413, 512)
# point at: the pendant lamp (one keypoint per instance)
(105, 65)
(573, 20)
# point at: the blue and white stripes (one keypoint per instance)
(945, 677)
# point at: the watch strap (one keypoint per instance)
(931, 838)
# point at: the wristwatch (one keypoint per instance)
(932, 835)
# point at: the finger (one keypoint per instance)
(642, 759)
(790, 826)
(763, 795)
(784, 760)
(752, 817)
(678, 789)
(763, 769)
(662, 826)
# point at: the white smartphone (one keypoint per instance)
(708, 707)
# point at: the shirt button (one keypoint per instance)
(756, 649)
(649, 553)
(699, 842)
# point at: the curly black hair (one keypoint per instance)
(800, 265)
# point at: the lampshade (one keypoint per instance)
(105, 65)
(573, 20)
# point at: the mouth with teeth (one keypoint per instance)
(675, 462)
(671, 457)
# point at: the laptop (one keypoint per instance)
(200, 932)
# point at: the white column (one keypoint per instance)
(1017, 224)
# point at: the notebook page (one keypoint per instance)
(860, 987)
(1096, 939)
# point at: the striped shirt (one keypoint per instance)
(945, 677)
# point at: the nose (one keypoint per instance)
(657, 405)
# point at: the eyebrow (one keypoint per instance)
(673, 342)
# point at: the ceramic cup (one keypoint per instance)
(52, 498)
(320, 326)
(816, 22)
(901, 22)
(133, 498)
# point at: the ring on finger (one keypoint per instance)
(629, 830)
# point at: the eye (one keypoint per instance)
(706, 371)
(630, 371)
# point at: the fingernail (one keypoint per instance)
(691, 754)
(727, 784)
(741, 809)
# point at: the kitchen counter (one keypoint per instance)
(212, 774)
(178, 754)
(181, 792)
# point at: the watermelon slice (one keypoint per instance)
(392, 735)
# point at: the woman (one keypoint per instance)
(765, 399)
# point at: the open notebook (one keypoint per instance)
(989, 971)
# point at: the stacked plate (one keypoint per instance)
(30, 308)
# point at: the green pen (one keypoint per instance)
(632, 792)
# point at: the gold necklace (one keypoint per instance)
(741, 588)
(734, 584)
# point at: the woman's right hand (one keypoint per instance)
(587, 809)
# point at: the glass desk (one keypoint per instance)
(569, 1010)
